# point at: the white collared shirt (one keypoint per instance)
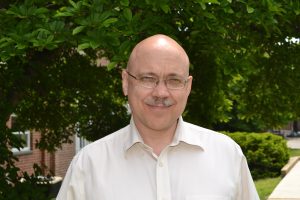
(198, 165)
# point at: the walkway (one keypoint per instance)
(293, 143)
(289, 187)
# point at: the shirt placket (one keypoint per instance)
(162, 177)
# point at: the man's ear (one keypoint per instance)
(189, 86)
(124, 82)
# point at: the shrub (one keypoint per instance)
(266, 153)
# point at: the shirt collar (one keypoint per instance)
(133, 136)
(183, 133)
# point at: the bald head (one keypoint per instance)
(158, 47)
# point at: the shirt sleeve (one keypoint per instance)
(72, 187)
(247, 190)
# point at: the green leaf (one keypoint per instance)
(209, 15)
(63, 14)
(83, 46)
(114, 41)
(105, 15)
(203, 6)
(73, 3)
(109, 21)
(5, 41)
(250, 9)
(94, 44)
(165, 8)
(12, 12)
(127, 14)
(78, 29)
(50, 38)
(228, 10)
(214, 1)
(266, 55)
(40, 11)
(57, 26)
(21, 46)
(210, 1)
(124, 47)
(111, 65)
(124, 2)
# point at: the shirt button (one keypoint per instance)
(161, 164)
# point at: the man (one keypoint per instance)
(159, 156)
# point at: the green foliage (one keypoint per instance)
(26, 187)
(241, 57)
(266, 153)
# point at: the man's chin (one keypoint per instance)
(160, 122)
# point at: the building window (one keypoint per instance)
(24, 136)
(80, 142)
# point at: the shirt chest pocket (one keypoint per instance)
(206, 197)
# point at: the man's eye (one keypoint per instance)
(174, 81)
(148, 79)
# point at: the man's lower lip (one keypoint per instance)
(158, 106)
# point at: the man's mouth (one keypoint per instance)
(159, 102)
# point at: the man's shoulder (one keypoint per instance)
(119, 134)
(116, 139)
(197, 128)
(201, 131)
(210, 137)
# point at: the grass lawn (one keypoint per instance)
(294, 152)
(266, 186)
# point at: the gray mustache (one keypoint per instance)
(159, 101)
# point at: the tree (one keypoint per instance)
(245, 59)
(50, 54)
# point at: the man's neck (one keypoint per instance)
(157, 139)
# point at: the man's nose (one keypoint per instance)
(161, 90)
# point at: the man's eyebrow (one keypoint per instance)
(148, 74)
(175, 75)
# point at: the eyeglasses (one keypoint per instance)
(148, 81)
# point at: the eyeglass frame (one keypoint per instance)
(157, 82)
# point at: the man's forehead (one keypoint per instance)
(160, 65)
(156, 46)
